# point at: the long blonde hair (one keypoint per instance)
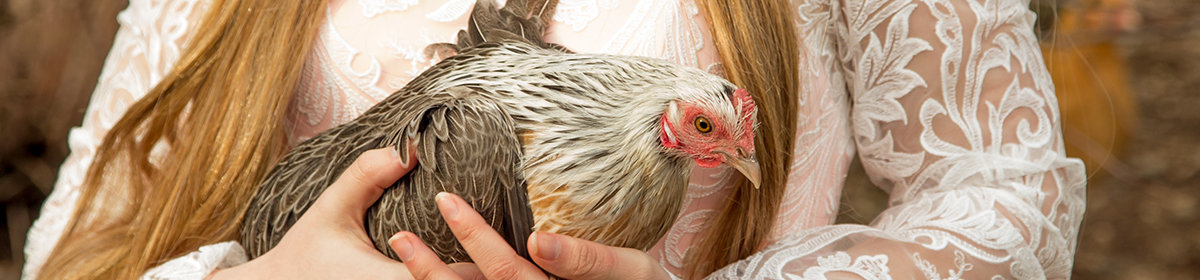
(232, 88)
(759, 51)
(220, 110)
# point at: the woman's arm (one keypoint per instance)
(954, 115)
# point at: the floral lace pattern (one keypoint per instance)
(371, 8)
(954, 115)
(578, 13)
(947, 102)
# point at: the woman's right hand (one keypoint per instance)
(329, 241)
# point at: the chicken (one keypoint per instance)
(533, 137)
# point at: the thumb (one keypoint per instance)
(363, 183)
(573, 258)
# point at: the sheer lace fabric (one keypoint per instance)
(953, 113)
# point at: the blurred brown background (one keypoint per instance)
(1127, 73)
(51, 52)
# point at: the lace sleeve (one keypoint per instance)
(146, 46)
(954, 115)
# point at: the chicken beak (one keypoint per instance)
(748, 166)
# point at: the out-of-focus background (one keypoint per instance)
(51, 52)
(1127, 74)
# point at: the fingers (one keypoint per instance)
(419, 259)
(423, 263)
(362, 183)
(468, 271)
(486, 247)
(574, 258)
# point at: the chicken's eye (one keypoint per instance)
(703, 125)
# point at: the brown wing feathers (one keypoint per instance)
(467, 146)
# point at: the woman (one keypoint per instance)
(953, 114)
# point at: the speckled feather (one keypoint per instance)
(579, 132)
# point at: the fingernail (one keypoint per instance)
(547, 246)
(402, 246)
(447, 205)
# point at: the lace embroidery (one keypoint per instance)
(415, 55)
(960, 264)
(578, 13)
(971, 159)
(372, 8)
(867, 267)
(691, 223)
(1028, 267)
(715, 69)
(342, 54)
(883, 81)
(639, 36)
(818, 165)
(328, 79)
(313, 103)
(964, 219)
(451, 10)
(979, 150)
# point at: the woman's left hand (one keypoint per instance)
(561, 255)
(329, 240)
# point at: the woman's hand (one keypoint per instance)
(561, 255)
(329, 241)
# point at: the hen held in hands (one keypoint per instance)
(534, 137)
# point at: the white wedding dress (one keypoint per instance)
(947, 102)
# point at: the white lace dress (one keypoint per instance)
(948, 103)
